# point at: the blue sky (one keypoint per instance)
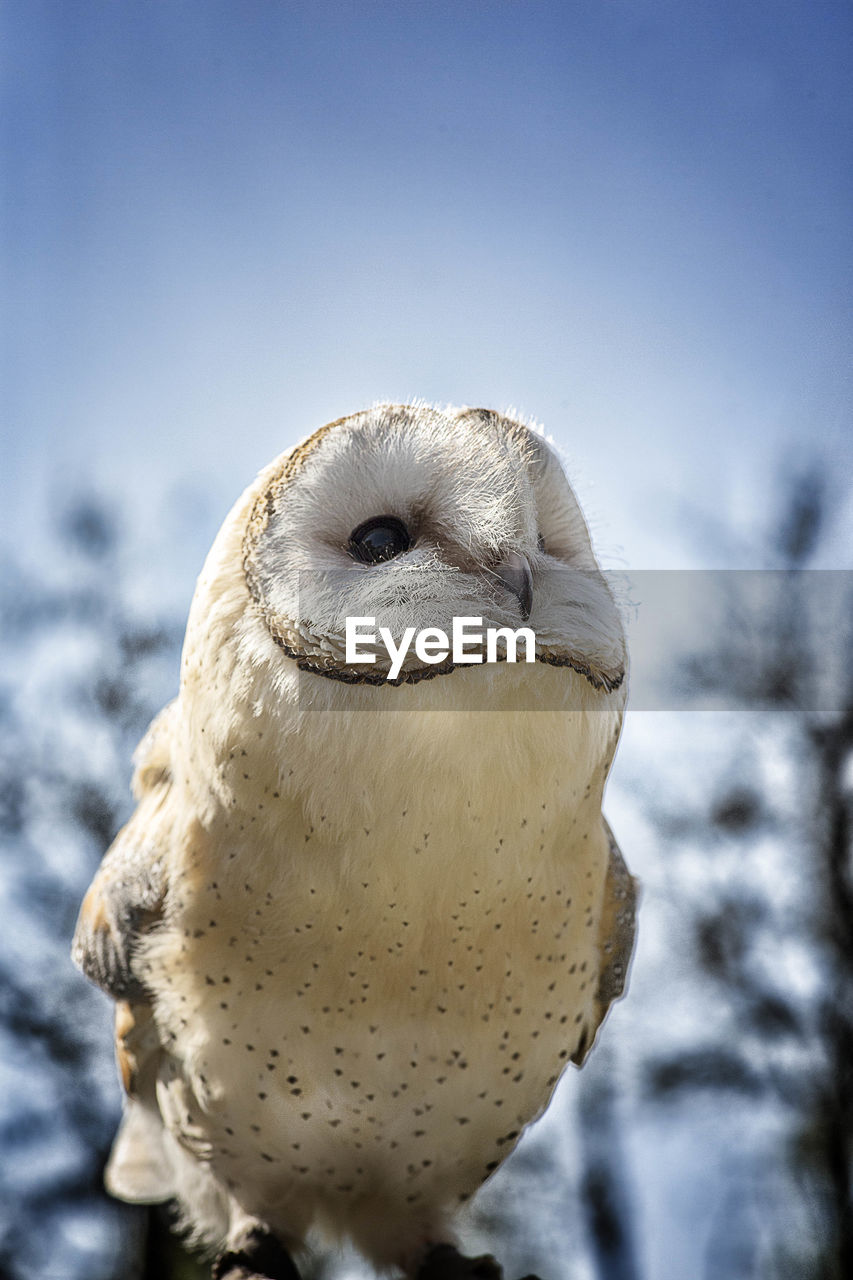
(227, 223)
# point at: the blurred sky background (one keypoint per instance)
(227, 223)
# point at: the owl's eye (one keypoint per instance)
(541, 541)
(378, 539)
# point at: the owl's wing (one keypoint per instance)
(616, 936)
(124, 901)
(139, 1169)
(126, 895)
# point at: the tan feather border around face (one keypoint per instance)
(334, 670)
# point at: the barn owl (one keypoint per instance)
(357, 927)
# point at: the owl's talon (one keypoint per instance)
(444, 1262)
(256, 1256)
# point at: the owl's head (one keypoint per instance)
(413, 516)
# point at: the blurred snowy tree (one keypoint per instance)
(760, 870)
(82, 675)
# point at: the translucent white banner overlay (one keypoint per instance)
(695, 639)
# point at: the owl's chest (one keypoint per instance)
(419, 985)
(413, 931)
(403, 896)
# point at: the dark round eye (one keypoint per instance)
(381, 538)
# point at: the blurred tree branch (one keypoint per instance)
(796, 1045)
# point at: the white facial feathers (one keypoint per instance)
(471, 491)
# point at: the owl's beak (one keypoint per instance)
(514, 573)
